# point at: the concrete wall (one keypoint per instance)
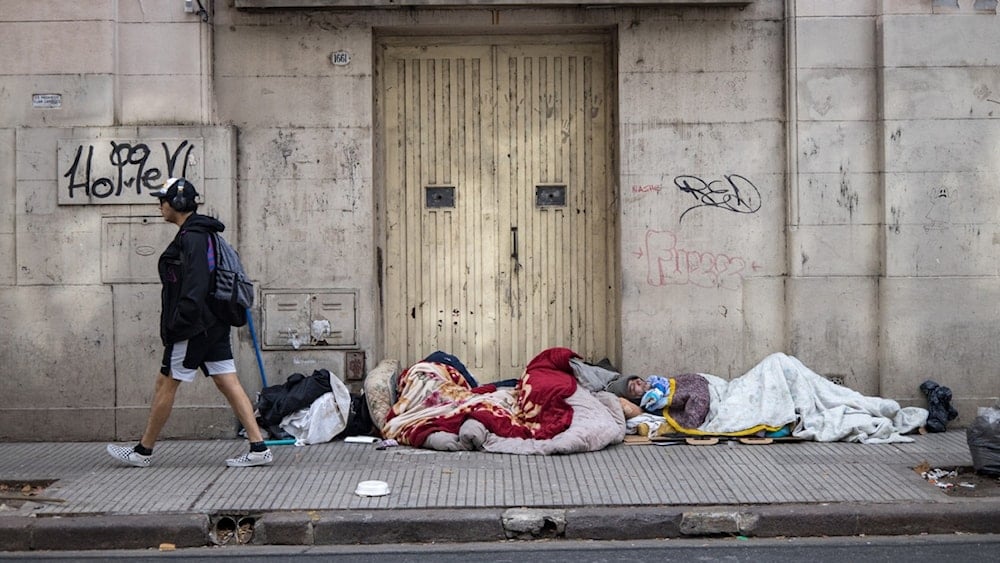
(835, 205)
(940, 140)
(864, 153)
(702, 108)
(82, 305)
(305, 163)
(81, 339)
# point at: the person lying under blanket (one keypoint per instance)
(544, 412)
(778, 395)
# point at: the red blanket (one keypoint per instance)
(435, 397)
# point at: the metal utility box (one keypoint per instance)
(302, 318)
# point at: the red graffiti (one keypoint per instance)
(646, 188)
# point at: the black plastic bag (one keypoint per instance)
(297, 392)
(983, 437)
(939, 409)
(359, 420)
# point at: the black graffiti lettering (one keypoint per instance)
(97, 188)
(747, 199)
(141, 153)
(150, 178)
(733, 193)
(172, 159)
(133, 169)
(71, 173)
(119, 162)
(125, 154)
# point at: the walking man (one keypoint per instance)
(193, 338)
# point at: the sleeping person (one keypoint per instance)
(683, 398)
(777, 396)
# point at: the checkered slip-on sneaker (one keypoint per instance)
(251, 459)
(129, 456)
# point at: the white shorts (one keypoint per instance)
(181, 373)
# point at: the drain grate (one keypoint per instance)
(227, 529)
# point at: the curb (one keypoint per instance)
(351, 527)
(89, 532)
(625, 523)
(973, 517)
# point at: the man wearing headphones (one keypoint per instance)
(193, 338)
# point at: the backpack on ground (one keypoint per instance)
(231, 293)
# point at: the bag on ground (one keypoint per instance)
(983, 437)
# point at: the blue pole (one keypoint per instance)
(281, 442)
(256, 348)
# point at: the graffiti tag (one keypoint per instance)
(122, 171)
(669, 263)
(733, 193)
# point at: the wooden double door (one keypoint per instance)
(498, 199)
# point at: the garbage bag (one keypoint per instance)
(983, 437)
(296, 393)
(939, 409)
(324, 419)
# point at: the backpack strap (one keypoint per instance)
(211, 252)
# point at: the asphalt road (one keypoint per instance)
(950, 548)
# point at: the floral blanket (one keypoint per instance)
(434, 397)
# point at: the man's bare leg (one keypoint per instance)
(159, 411)
(230, 386)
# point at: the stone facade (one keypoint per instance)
(862, 138)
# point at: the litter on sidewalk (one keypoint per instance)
(372, 489)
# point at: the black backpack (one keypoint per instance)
(231, 292)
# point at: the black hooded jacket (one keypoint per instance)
(186, 280)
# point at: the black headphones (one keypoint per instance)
(181, 202)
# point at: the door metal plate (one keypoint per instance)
(550, 195)
(440, 197)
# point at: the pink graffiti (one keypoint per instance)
(669, 264)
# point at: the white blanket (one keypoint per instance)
(326, 417)
(781, 390)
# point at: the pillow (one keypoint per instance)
(380, 390)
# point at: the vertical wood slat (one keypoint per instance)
(561, 286)
(484, 170)
(505, 150)
(395, 221)
(419, 240)
(536, 317)
(456, 138)
(509, 340)
(524, 323)
(413, 225)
